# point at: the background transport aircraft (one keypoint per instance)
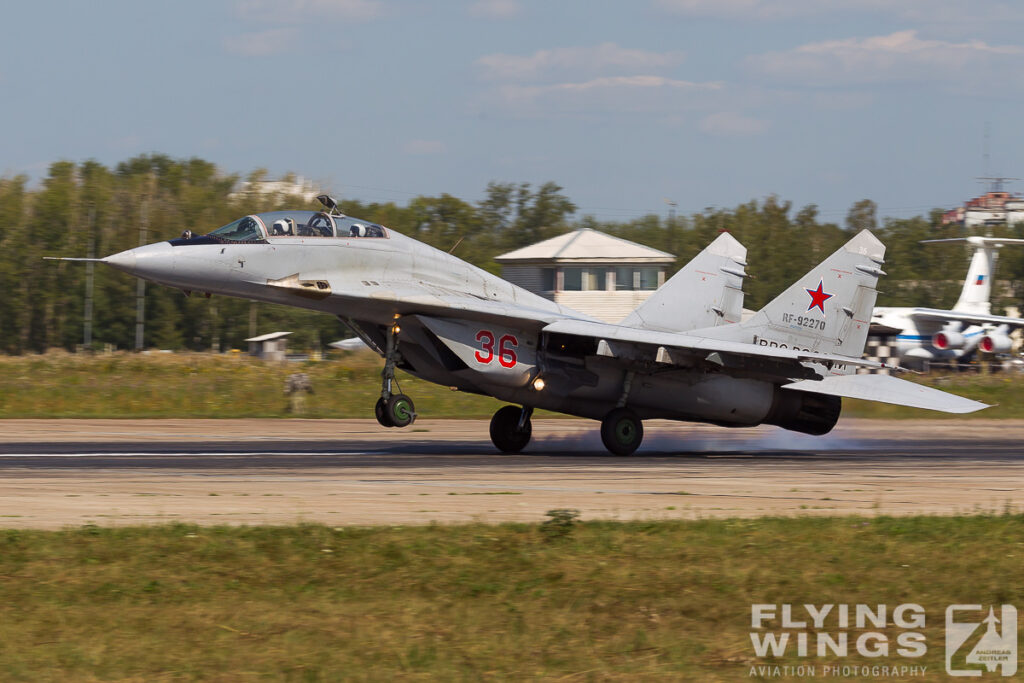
(679, 356)
(929, 334)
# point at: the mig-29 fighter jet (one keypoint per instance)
(682, 355)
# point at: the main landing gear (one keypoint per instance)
(622, 431)
(511, 428)
(392, 410)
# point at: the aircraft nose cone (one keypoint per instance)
(124, 260)
(152, 261)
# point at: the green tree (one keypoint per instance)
(863, 215)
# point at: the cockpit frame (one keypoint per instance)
(269, 226)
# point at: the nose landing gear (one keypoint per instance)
(393, 410)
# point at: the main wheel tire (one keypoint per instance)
(622, 431)
(505, 433)
(381, 411)
(400, 410)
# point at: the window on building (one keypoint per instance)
(647, 279)
(547, 279)
(629, 278)
(572, 279)
(583, 279)
(623, 278)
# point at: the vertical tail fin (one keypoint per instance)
(974, 297)
(706, 292)
(828, 310)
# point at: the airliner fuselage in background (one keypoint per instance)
(930, 334)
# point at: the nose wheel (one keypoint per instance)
(396, 411)
(622, 431)
(392, 410)
(511, 428)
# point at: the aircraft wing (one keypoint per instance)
(888, 389)
(699, 346)
(420, 299)
(938, 315)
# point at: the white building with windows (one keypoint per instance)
(289, 186)
(590, 271)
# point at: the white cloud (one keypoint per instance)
(897, 57)
(835, 100)
(606, 94)
(712, 7)
(728, 123)
(605, 84)
(260, 43)
(495, 9)
(928, 11)
(594, 59)
(424, 147)
(299, 11)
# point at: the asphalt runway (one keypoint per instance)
(114, 472)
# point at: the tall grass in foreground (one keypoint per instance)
(222, 386)
(664, 600)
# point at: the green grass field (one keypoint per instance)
(659, 600)
(127, 385)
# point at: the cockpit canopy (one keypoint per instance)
(274, 224)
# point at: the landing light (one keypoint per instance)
(538, 384)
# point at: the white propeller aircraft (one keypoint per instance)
(681, 355)
(929, 334)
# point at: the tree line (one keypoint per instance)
(82, 209)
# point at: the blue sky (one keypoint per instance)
(625, 104)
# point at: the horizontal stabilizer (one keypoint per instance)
(978, 241)
(888, 389)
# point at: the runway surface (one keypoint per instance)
(57, 473)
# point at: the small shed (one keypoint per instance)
(590, 271)
(271, 346)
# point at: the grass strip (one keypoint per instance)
(660, 600)
(157, 385)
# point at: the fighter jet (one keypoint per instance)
(929, 334)
(682, 355)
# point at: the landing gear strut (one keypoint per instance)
(392, 410)
(511, 428)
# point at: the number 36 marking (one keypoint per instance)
(506, 349)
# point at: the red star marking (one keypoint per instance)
(818, 297)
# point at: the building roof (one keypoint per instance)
(268, 337)
(587, 245)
